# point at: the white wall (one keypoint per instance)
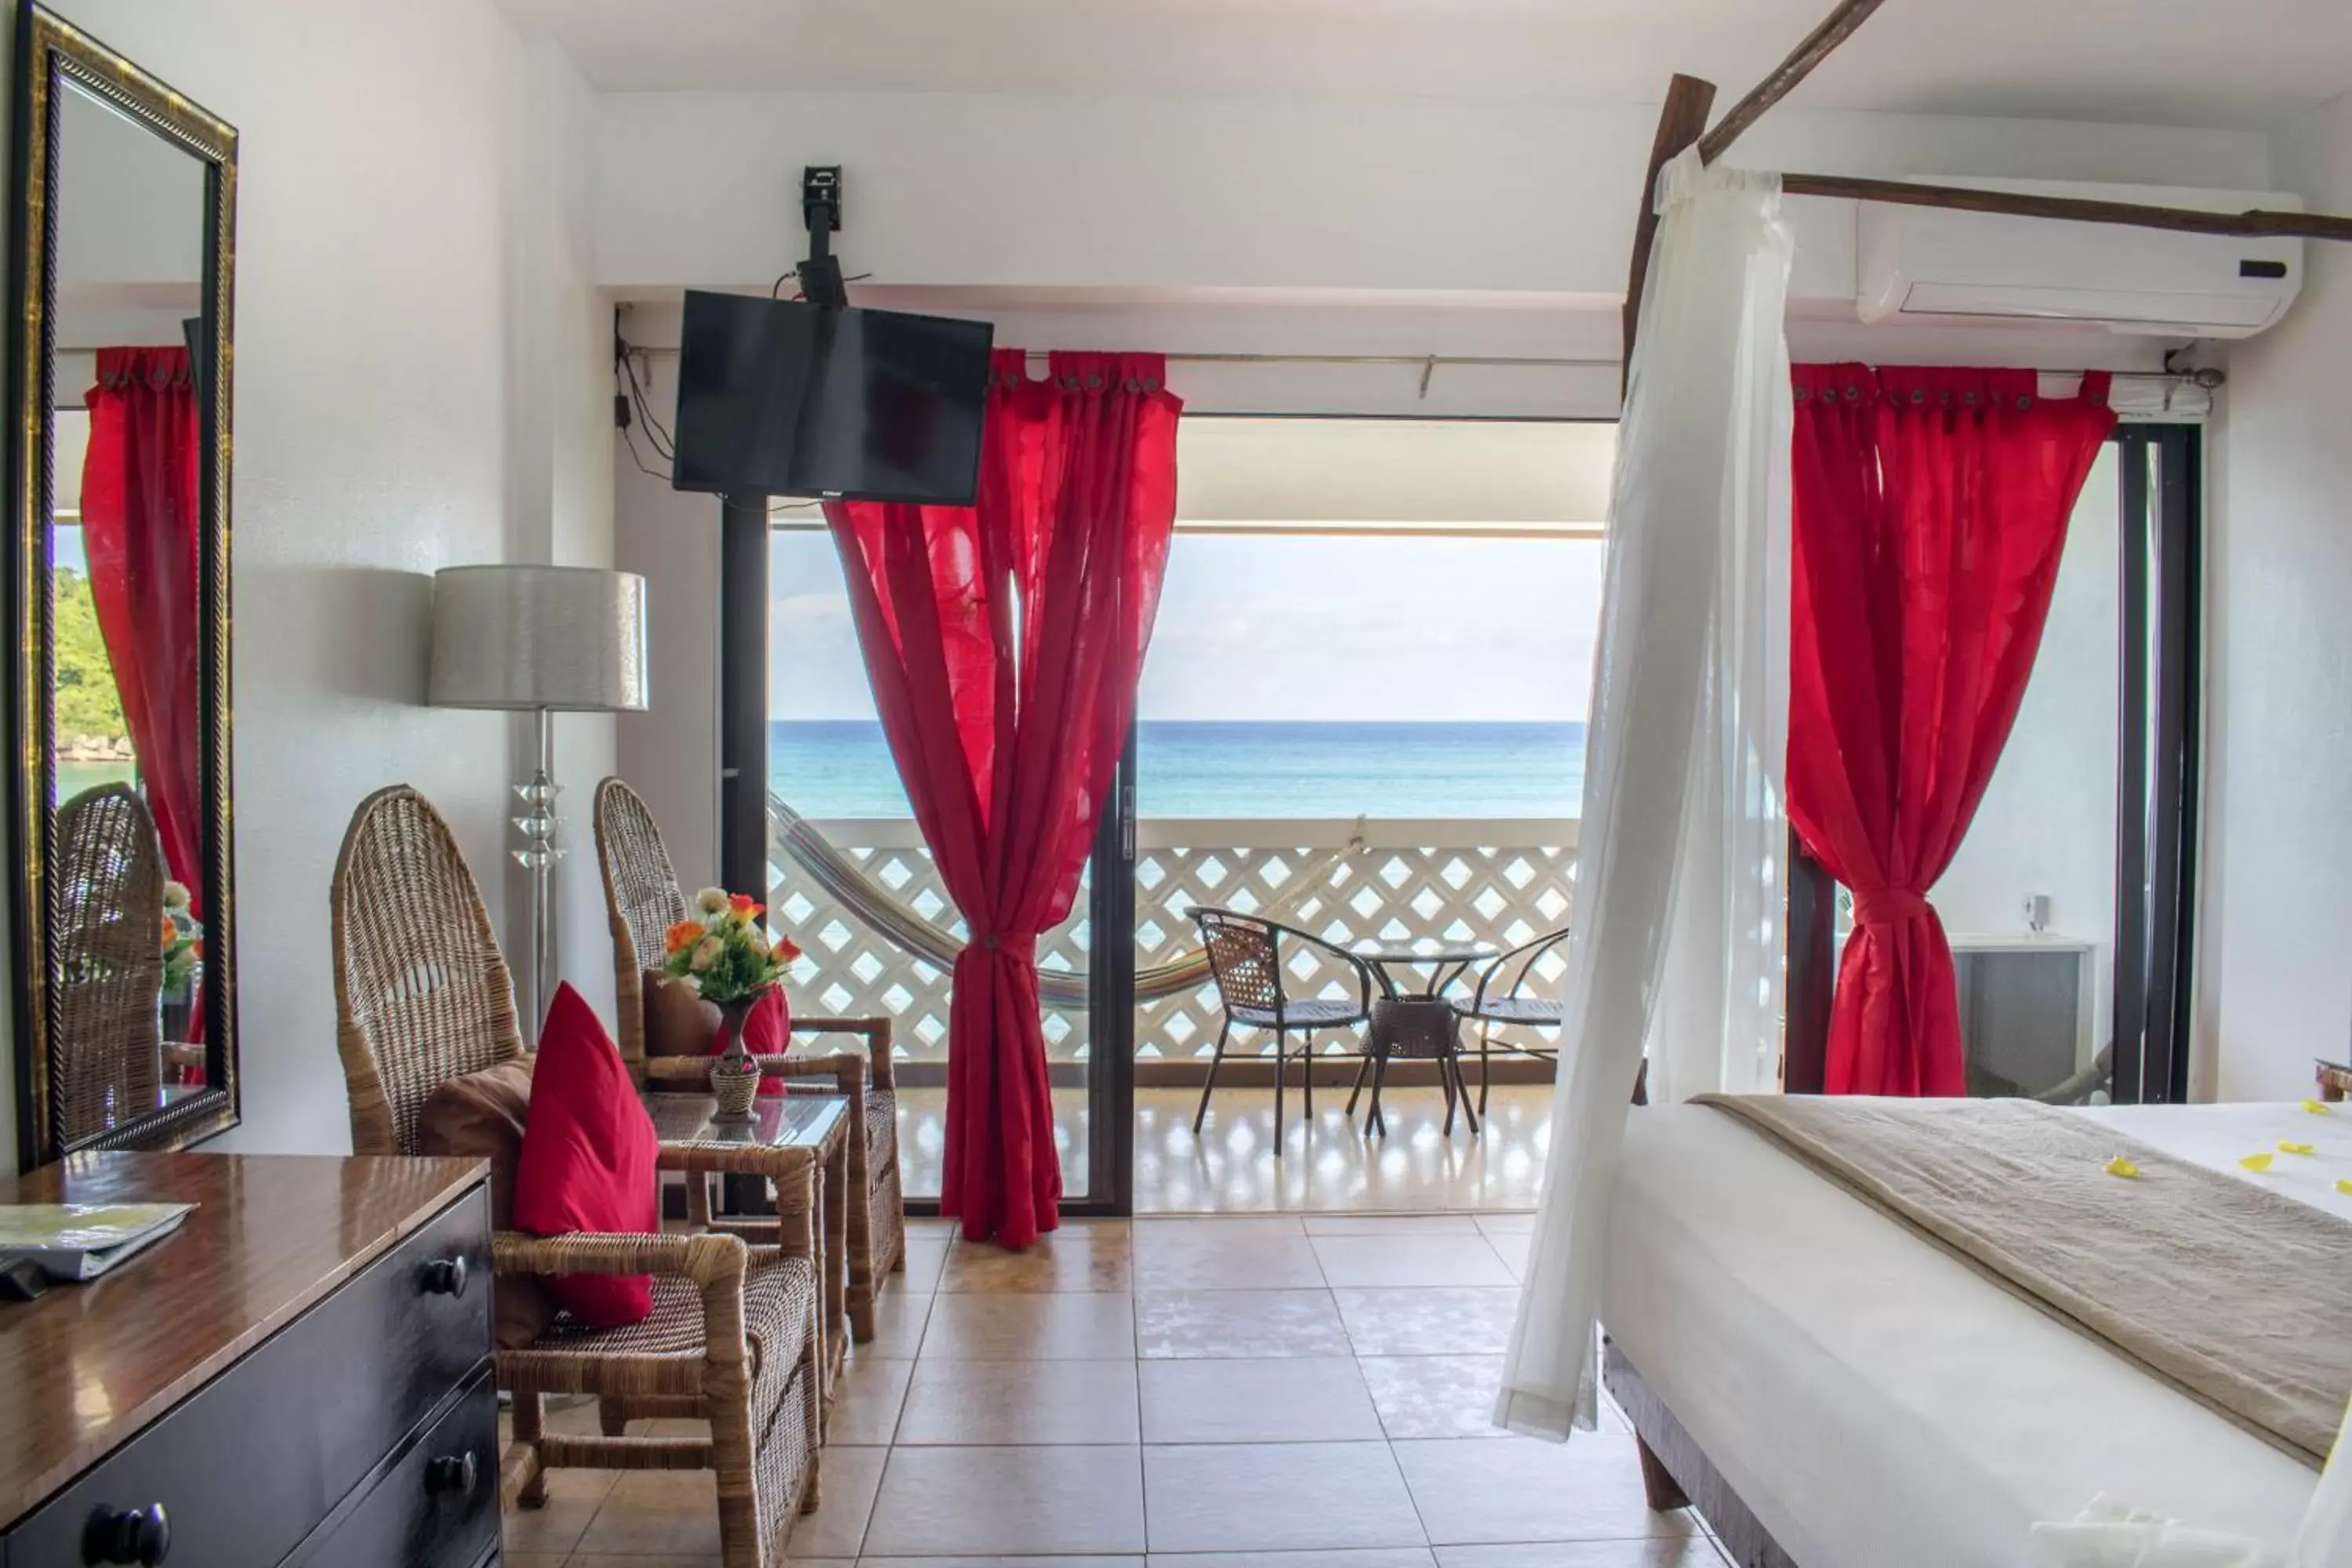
(669, 754)
(559, 485)
(2275, 959)
(391, 417)
(1188, 194)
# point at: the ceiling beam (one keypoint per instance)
(1681, 121)
(1835, 30)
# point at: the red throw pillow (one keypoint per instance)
(767, 1031)
(587, 1159)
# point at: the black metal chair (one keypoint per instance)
(1497, 1002)
(1245, 955)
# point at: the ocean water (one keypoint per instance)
(1206, 769)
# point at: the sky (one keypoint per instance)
(1304, 627)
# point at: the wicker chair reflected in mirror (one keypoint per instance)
(1499, 999)
(643, 901)
(107, 1045)
(422, 995)
(1245, 960)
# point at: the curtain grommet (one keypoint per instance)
(1094, 384)
(1919, 395)
(2024, 402)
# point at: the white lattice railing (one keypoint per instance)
(1501, 881)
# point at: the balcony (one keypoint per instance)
(1497, 881)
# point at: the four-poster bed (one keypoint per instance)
(1828, 1385)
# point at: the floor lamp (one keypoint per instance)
(546, 640)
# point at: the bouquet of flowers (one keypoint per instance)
(728, 959)
(724, 952)
(183, 941)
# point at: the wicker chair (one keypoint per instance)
(422, 995)
(107, 1045)
(1497, 1001)
(1246, 959)
(642, 900)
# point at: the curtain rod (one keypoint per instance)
(2207, 378)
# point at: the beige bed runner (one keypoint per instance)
(2240, 1297)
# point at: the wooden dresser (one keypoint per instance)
(300, 1376)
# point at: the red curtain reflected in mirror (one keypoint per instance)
(1930, 513)
(1004, 641)
(141, 526)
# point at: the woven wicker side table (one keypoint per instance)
(794, 1120)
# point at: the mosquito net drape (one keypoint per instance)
(1677, 943)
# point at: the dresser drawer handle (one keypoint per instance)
(443, 1277)
(128, 1535)
(453, 1473)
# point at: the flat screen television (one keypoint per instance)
(783, 398)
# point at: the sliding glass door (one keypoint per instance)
(2067, 903)
(880, 940)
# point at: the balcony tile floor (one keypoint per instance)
(1327, 1165)
(1142, 1395)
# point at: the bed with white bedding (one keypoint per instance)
(1872, 1399)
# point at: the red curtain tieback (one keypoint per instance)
(1020, 947)
(1887, 906)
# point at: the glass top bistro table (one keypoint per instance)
(1411, 1018)
(796, 1119)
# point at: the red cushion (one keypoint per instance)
(587, 1159)
(767, 1031)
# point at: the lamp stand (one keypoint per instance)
(537, 855)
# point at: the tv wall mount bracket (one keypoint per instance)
(821, 213)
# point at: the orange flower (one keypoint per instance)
(197, 948)
(684, 934)
(745, 904)
(170, 931)
(784, 949)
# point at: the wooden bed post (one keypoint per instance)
(1837, 28)
(1680, 123)
(1659, 1487)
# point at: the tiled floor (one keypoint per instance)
(1275, 1392)
(1327, 1166)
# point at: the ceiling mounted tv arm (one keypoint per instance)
(821, 212)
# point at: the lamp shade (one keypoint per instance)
(570, 638)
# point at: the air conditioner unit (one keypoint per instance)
(1931, 264)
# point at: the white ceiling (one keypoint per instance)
(2240, 63)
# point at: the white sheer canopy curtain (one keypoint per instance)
(1677, 943)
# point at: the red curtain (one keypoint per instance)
(1931, 513)
(1004, 641)
(140, 527)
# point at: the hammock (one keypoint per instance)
(1064, 989)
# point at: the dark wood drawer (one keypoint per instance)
(253, 1461)
(429, 1509)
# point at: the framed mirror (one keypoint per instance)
(123, 917)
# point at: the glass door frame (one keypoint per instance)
(2160, 595)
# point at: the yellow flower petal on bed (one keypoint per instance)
(2119, 1166)
(2344, 1186)
(2316, 1108)
(2287, 1148)
(2257, 1162)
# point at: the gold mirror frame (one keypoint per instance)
(51, 52)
